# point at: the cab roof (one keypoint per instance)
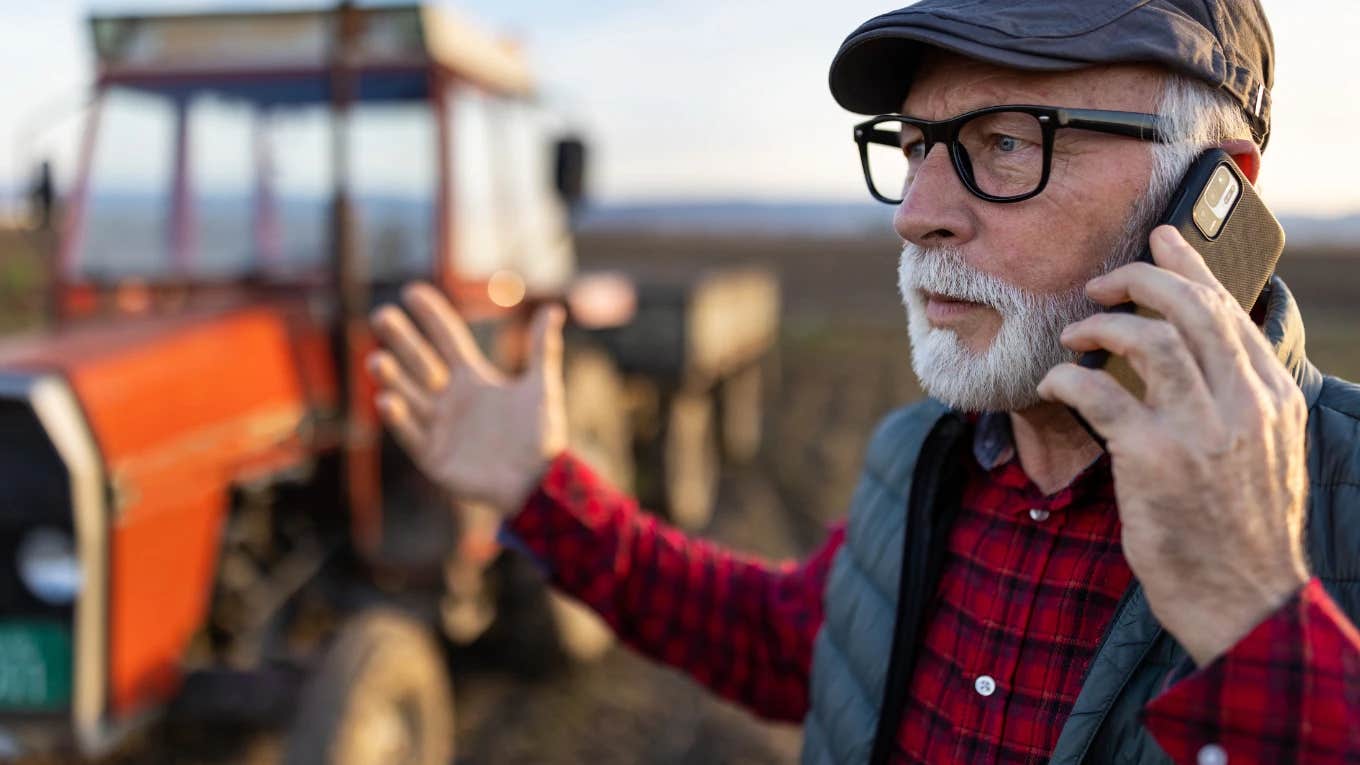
(286, 56)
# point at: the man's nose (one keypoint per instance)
(936, 208)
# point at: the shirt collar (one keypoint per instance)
(994, 447)
(993, 443)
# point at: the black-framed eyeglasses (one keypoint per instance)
(1001, 153)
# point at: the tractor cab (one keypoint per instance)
(235, 151)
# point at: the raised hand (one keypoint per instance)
(476, 433)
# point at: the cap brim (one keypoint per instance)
(873, 71)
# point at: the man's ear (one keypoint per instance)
(1246, 154)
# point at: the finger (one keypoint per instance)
(410, 348)
(1172, 252)
(1263, 358)
(1110, 409)
(1206, 321)
(545, 350)
(1153, 347)
(447, 330)
(399, 419)
(389, 374)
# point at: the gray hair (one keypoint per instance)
(1196, 116)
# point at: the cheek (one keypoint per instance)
(1056, 241)
(1033, 245)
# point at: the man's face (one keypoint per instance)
(1015, 272)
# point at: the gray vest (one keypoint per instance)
(902, 503)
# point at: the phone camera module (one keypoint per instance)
(1216, 202)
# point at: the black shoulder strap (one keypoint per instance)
(935, 493)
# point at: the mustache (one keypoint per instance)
(944, 271)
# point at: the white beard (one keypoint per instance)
(1004, 376)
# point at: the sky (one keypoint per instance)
(708, 99)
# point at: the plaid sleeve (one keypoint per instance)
(1289, 691)
(739, 625)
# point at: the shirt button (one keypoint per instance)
(1038, 514)
(984, 685)
(1212, 754)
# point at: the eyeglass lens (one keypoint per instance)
(1002, 152)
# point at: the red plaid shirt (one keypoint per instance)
(1029, 585)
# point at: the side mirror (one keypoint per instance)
(42, 197)
(569, 173)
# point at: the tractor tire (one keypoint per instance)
(381, 696)
(600, 435)
(539, 631)
(691, 461)
(597, 421)
(581, 634)
(742, 414)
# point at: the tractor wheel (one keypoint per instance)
(742, 415)
(597, 421)
(582, 635)
(691, 460)
(381, 695)
(538, 631)
(602, 436)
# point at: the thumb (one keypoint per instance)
(545, 349)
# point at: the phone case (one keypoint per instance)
(1241, 250)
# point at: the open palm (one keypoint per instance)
(472, 430)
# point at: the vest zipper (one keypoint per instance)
(1124, 605)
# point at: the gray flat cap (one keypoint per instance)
(1225, 43)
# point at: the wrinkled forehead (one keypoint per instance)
(946, 84)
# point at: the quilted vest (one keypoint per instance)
(903, 503)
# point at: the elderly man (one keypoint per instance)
(1005, 589)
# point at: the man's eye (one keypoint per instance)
(915, 150)
(1007, 143)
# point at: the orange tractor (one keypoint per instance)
(201, 513)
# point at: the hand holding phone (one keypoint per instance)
(1209, 468)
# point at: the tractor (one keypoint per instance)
(202, 515)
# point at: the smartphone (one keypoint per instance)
(1218, 212)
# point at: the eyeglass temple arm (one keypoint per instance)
(875, 135)
(1146, 127)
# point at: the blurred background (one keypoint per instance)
(199, 203)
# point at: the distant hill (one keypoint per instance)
(1340, 231)
(831, 219)
(717, 216)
